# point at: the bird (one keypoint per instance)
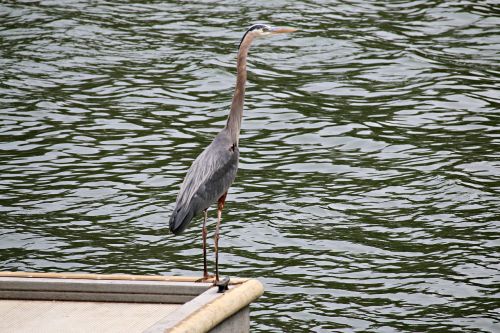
(214, 170)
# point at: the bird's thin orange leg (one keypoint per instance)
(220, 206)
(204, 234)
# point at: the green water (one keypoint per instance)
(367, 196)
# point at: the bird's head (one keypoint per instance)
(262, 30)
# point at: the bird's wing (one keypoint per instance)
(208, 178)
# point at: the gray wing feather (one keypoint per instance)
(208, 178)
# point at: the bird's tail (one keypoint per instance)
(180, 219)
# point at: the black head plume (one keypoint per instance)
(252, 28)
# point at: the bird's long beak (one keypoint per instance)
(282, 30)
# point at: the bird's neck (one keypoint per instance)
(234, 120)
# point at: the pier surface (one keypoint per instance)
(77, 303)
(23, 316)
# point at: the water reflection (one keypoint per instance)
(366, 198)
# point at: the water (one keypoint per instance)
(367, 195)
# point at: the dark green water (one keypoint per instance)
(368, 191)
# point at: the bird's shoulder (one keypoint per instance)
(220, 153)
(222, 147)
(215, 169)
(224, 141)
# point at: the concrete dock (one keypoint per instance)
(52, 302)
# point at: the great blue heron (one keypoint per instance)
(214, 170)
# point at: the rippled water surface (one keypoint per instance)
(368, 191)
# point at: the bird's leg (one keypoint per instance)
(220, 206)
(204, 234)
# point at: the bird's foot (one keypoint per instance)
(206, 278)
